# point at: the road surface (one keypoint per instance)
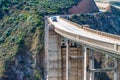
(66, 26)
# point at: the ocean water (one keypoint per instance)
(113, 2)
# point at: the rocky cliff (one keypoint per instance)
(84, 6)
(108, 21)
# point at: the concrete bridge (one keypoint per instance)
(70, 49)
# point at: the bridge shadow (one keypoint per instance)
(100, 75)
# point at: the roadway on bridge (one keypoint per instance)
(66, 26)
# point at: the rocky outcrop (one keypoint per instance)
(108, 21)
(84, 6)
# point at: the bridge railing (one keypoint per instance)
(85, 40)
(92, 41)
(102, 33)
(72, 23)
(108, 35)
(89, 30)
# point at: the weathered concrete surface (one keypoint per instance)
(75, 65)
(54, 56)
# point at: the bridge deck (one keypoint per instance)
(69, 28)
(73, 29)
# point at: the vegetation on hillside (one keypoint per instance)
(21, 35)
(108, 21)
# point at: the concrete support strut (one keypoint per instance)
(77, 57)
(46, 50)
(91, 64)
(67, 51)
(85, 63)
(115, 70)
(101, 70)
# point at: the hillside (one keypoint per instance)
(108, 21)
(21, 36)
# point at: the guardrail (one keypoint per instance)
(102, 33)
(72, 23)
(96, 43)
(88, 41)
(116, 37)
(89, 30)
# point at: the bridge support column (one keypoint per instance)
(115, 70)
(91, 64)
(85, 63)
(46, 50)
(67, 58)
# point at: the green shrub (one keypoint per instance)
(20, 40)
(37, 76)
(11, 19)
(29, 18)
(16, 1)
(5, 9)
(33, 29)
(8, 32)
(2, 25)
(12, 39)
(1, 40)
(15, 22)
(22, 17)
